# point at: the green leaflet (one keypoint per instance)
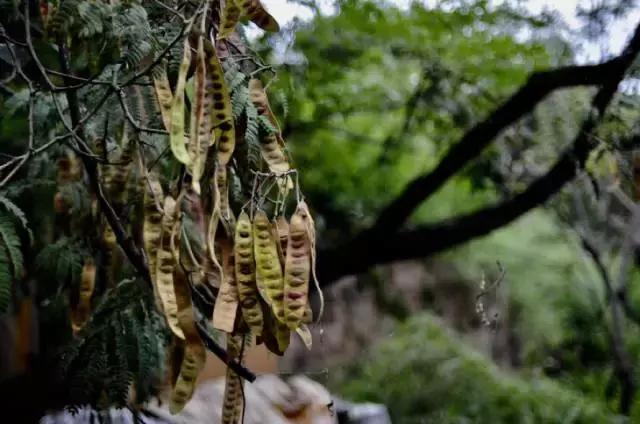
(11, 261)
(176, 136)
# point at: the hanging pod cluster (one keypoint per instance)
(222, 252)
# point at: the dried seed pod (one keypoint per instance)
(226, 307)
(222, 115)
(233, 403)
(297, 268)
(246, 274)
(80, 314)
(305, 335)
(282, 234)
(222, 185)
(201, 128)
(194, 353)
(176, 133)
(311, 234)
(268, 269)
(165, 266)
(307, 318)
(230, 18)
(271, 146)
(163, 94)
(254, 10)
(152, 231)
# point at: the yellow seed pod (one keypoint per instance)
(164, 96)
(152, 227)
(176, 133)
(165, 266)
(283, 335)
(201, 127)
(307, 317)
(233, 403)
(268, 269)
(194, 353)
(246, 274)
(230, 18)
(80, 314)
(222, 115)
(226, 307)
(311, 234)
(305, 335)
(281, 227)
(222, 190)
(254, 10)
(271, 146)
(297, 269)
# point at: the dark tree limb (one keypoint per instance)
(537, 87)
(382, 244)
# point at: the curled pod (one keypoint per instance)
(194, 353)
(222, 190)
(164, 96)
(297, 269)
(165, 266)
(268, 269)
(81, 313)
(305, 335)
(230, 18)
(254, 10)
(226, 306)
(246, 274)
(176, 133)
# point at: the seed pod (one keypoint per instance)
(246, 274)
(254, 10)
(233, 403)
(282, 233)
(165, 266)
(297, 269)
(176, 133)
(275, 335)
(222, 119)
(268, 269)
(152, 230)
(230, 18)
(307, 318)
(201, 128)
(194, 354)
(163, 94)
(311, 234)
(226, 307)
(271, 146)
(305, 335)
(222, 185)
(80, 314)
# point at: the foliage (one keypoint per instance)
(426, 374)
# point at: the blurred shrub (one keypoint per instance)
(424, 373)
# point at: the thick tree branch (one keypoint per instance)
(537, 87)
(380, 244)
